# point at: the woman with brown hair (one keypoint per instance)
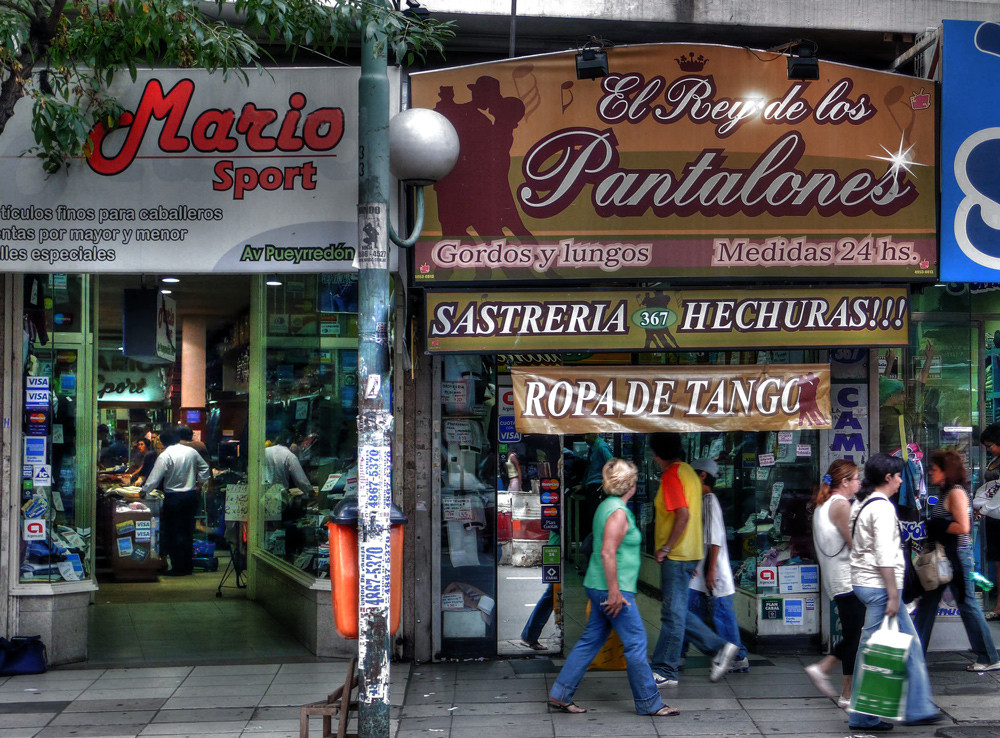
(949, 524)
(832, 539)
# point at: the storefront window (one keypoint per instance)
(310, 458)
(55, 508)
(470, 468)
(929, 391)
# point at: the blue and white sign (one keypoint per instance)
(35, 448)
(970, 150)
(37, 399)
(42, 475)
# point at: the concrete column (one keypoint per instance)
(193, 361)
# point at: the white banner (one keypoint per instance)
(203, 175)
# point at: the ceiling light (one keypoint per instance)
(273, 283)
(170, 280)
(166, 292)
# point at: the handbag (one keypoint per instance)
(611, 657)
(987, 501)
(22, 655)
(881, 689)
(932, 567)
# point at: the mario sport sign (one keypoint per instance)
(202, 174)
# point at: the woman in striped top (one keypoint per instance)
(949, 524)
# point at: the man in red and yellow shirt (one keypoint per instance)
(679, 548)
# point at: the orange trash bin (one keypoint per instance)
(343, 527)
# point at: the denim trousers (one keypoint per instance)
(629, 627)
(539, 617)
(976, 628)
(677, 622)
(918, 685)
(718, 614)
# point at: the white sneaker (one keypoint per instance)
(821, 680)
(662, 681)
(722, 661)
(983, 667)
(740, 666)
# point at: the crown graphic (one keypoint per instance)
(690, 63)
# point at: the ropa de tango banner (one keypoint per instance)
(683, 398)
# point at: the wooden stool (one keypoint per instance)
(339, 703)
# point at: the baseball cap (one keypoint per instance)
(706, 465)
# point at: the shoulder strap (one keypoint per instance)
(865, 504)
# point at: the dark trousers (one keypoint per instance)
(852, 620)
(177, 529)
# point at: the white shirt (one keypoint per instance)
(282, 467)
(177, 467)
(876, 542)
(715, 535)
(832, 550)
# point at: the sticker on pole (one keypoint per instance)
(373, 238)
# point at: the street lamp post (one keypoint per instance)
(374, 410)
(425, 146)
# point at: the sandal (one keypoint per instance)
(534, 646)
(992, 616)
(665, 711)
(568, 707)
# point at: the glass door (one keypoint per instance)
(529, 535)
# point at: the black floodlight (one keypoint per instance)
(592, 60)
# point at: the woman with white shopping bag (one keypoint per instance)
(877, 568)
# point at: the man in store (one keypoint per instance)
(187, 439)
(679, 549)
(181, 471)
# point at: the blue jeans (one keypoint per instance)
(978, 632)
(628, 625)
(918, 685)
(722, 621)
(677, 622)
(538, 618)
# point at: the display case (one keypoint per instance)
(57, 466)
(468, 493)
(310, 459)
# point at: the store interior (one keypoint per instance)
(139, 615)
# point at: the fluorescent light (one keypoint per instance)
(273, 283)
(166, 292)
(170, 280)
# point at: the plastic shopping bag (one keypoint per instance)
(881, 690)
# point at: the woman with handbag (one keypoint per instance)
(832, 540)
(949, 524)
(877, 568)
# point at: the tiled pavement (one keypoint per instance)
(451, 700)
(221, 701)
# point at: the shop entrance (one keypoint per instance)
(140, 614)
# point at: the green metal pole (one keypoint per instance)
(374, 411)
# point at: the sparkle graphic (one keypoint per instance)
(900, 159)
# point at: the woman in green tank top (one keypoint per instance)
(610, 584)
